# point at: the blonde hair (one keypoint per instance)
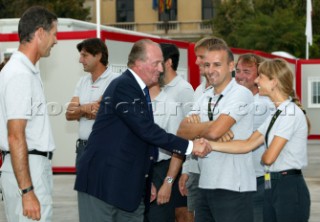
(279, 69)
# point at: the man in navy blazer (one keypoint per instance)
(113, 176)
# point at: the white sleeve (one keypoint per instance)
(18, 97)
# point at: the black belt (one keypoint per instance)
(281, 174)
(82, 142)
(34, 152)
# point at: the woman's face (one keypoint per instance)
(265, 85)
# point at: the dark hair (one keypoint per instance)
(32, 19)
(95, 46)
(170, 51)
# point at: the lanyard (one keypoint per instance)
(210, 113)
(275, 116)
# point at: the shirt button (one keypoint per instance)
(151, 157)
(146, 176)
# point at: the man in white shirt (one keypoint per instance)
(227, 181)
(25, 133)
(86, 99)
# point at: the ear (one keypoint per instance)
(274, 83)
(168, 63)
(39, 33)
(231, 66)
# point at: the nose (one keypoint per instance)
(256, 81)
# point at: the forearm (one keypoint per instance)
(19, 159)
(235, 146)
(76, 111)
(238, 146)
(175, 165)
(191, 130)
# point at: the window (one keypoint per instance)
(167, 10)
(207, 9)
(314, 92)
(125, 11)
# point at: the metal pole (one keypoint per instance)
(98, 18)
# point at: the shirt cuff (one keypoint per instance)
(190, 148)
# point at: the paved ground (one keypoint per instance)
(65, 202)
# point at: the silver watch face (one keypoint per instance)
(169, 179)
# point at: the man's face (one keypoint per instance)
(217, 68)
(89, 61)
(246, 73)
(49, 40)
(150, 69)
(200, 54)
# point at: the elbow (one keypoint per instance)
(267, 160)
(210, 135)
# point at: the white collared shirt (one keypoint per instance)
(89, 92)
(22, 97)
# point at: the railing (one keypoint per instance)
(168, 28)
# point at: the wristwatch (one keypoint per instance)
(169, 179)
(24, 191)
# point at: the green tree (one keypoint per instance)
(62, 8)
(267, 25)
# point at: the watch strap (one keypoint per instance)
(24, 191)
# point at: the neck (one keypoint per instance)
(219, 88)
(29, 50)
(154, 91)
(169, 76)
(255, 90)
(98, 72)
(277, 98)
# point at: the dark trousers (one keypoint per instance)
(80, 148)
(165, 212)
(219, 205)
(288, 200)
(92, 209)
(258, 201)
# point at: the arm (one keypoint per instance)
(20, 164)
(166, 188)
(75, 111)
(211, 130)
(190, 130)
(239, 146)
(272, 153)
(218, 128)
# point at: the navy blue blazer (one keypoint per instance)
(117, 159)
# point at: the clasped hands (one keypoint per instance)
(201, 147)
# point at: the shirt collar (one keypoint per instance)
(26, 61)
(138, 79)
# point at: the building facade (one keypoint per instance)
(176, 19)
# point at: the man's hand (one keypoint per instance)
(183, 184)
(194, 118)
(164, 193)
(153, 195)
(226, 137)
(201, 148)
(31, 206)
